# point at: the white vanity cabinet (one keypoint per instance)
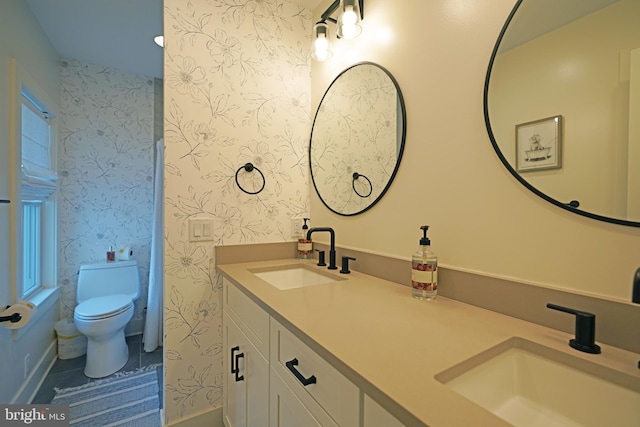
(246, 360)
(274, 379)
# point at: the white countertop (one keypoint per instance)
(397, 344)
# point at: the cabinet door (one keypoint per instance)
(246, 379)
(253, 321)
(288, 411)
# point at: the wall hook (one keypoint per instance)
(356, 176)
(248, 167)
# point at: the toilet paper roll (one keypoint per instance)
(124, 254)
(24, 309)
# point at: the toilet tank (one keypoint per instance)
(109, 278)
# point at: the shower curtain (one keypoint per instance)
(153, 324)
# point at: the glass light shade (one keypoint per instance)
(320, 48)
(349, 19)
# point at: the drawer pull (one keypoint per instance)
(291, 364)
(234, 363)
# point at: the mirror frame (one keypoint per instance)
(402, 143)
(505, 162)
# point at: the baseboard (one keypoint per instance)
(32, 384)
(134, 327)
(212, 418)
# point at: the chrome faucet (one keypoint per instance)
(332, 250)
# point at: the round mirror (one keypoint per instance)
(562, 101)
(357, 139)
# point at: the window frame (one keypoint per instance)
(46, 244)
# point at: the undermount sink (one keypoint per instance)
(528, 384)
(294, 276)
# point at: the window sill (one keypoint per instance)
(45, 300)
(43, 297)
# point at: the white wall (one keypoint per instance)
(450, 178)
(590, 89)
(633, 203)
(21, 38)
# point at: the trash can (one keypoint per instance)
(71, 343)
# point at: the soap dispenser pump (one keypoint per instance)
(424, 270)
(305, 246)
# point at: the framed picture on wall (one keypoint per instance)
(539, 144)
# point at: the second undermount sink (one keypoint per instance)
(528, 384)
(294, 276)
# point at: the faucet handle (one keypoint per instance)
(585, 330)
(345, 264)
(321, 262)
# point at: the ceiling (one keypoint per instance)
(112, 33)
(119, 33)
(542, 16)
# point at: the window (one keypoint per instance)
(37, 188)
(31, 227)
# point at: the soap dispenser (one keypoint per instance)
(305, 246)
(424, 270)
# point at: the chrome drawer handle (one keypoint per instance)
(291, 364)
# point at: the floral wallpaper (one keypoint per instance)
(236, 77)
(237, 90)
(361, 109)
(106, 172)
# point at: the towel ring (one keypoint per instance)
(356, 175)
(248, 167)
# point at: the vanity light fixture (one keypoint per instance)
(321, 49)
(159, 40)
(349, 17)
(350, 14)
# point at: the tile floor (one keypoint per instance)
(69, 372)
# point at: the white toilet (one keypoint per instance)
(105, 296)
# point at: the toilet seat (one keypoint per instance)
(103, 307)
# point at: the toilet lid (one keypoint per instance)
(103, 306)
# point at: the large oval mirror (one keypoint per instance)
(357, 139)
(562, 104)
